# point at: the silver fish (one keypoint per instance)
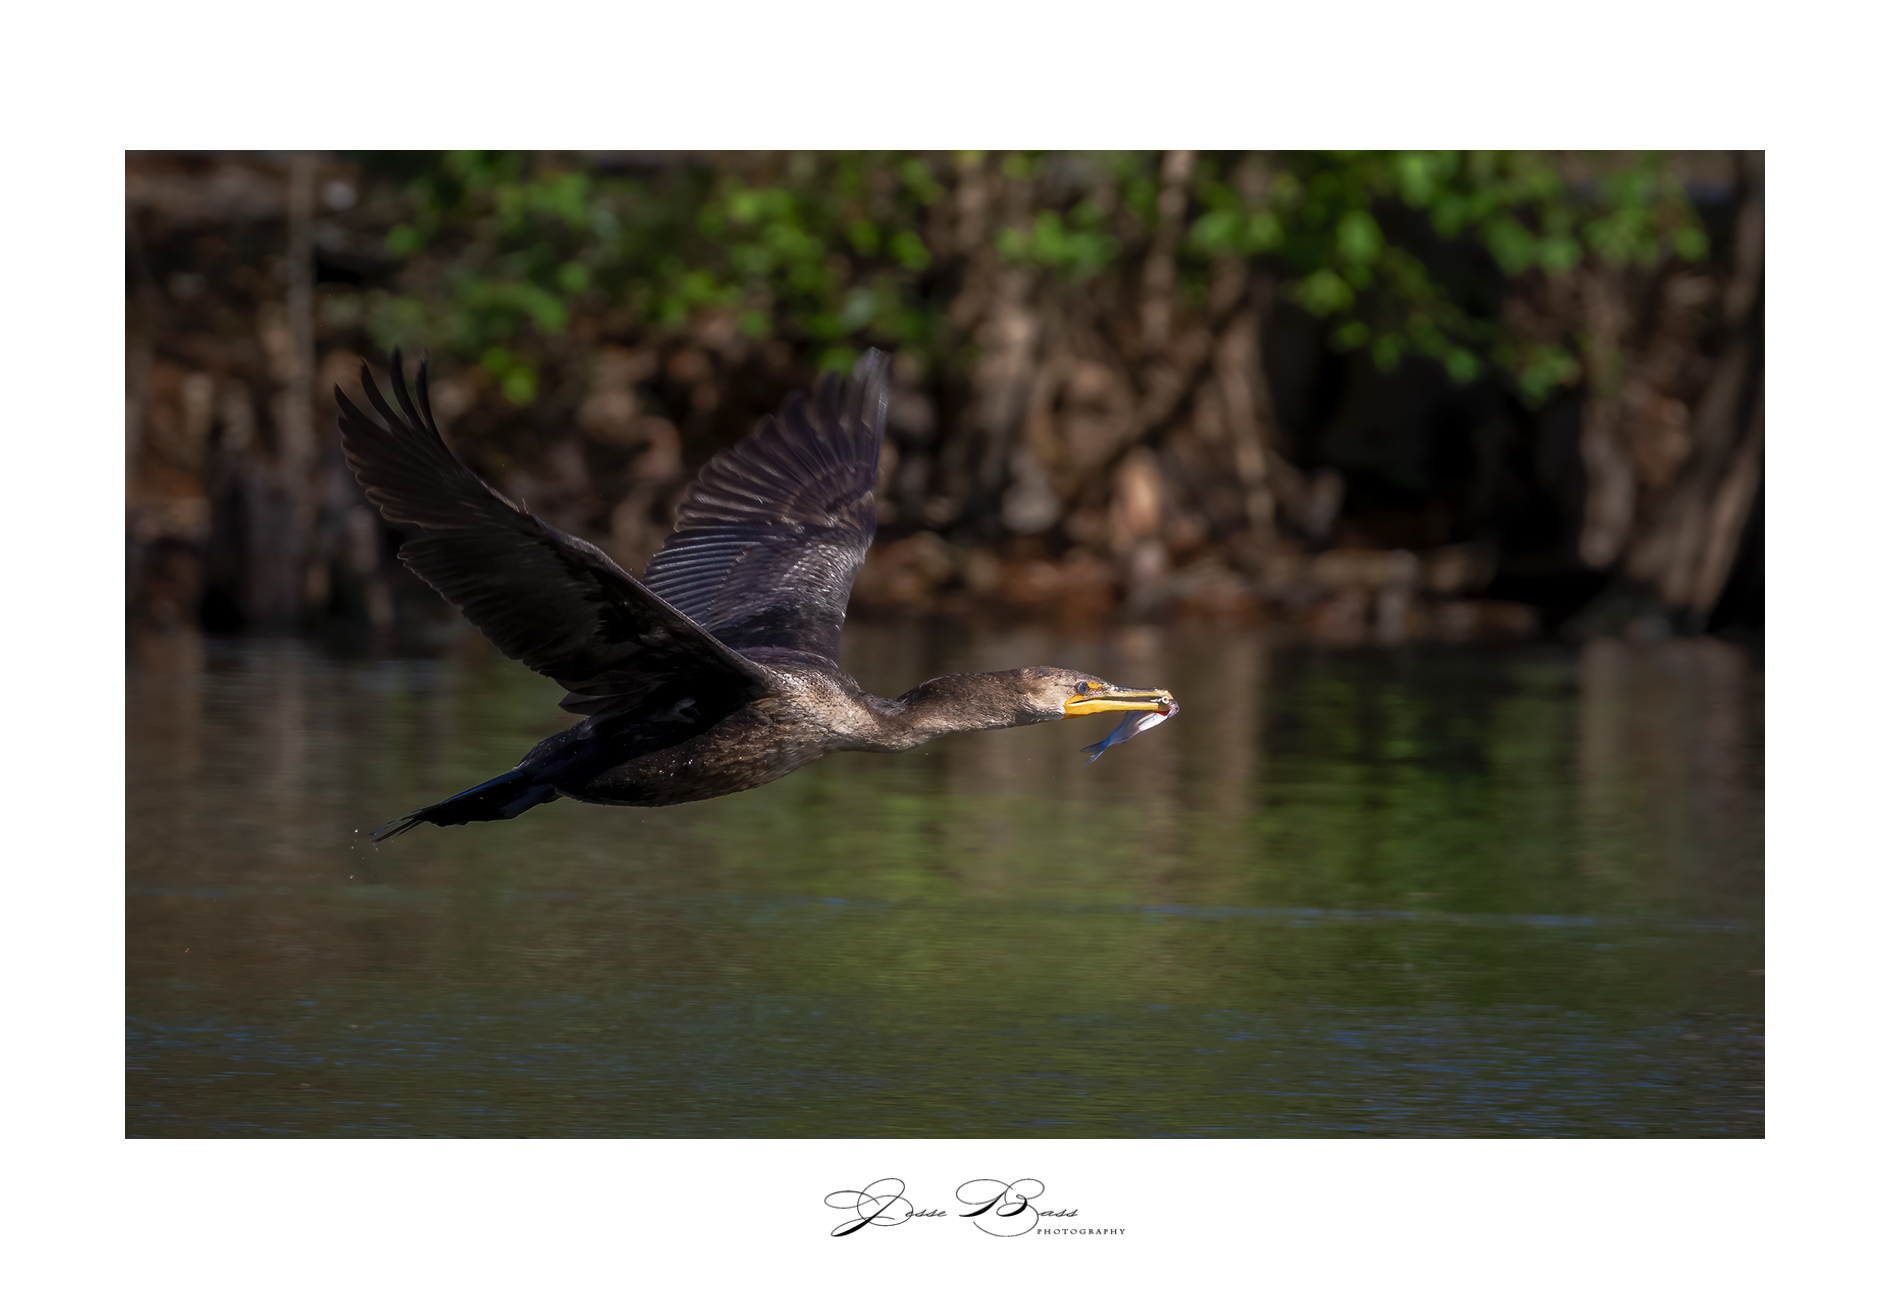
(1132, 724)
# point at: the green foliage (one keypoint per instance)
(1405, 253)
(503, 252)
(1076, 246)
(1373, 241)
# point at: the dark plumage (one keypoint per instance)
(717, 671)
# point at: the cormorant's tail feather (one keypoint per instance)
(394, 828)
(503, 798)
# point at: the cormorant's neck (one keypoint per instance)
(949, 704)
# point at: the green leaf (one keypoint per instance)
(1350, 335)
(1388, 351)
(919, 179)
(1324, 292)
(744, 206)
(1420, 174)
(519, 386)
(1512, 245)
(864, 234)
(1216, 233)
(545, 309)
(403, 240)
(837, 358)
(909, 251)
(1560, 253)
(1357, 238)
(1264, 233)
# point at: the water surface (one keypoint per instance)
(1346, 893)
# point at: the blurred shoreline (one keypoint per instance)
(1241, 389)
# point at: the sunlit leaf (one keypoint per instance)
(403, 240)
(519, 386)
(918, 177)
(910, 251)
(501, 247)
(1351, 335)
(1324, 292)
(1513, 245)
(1263, 233)
(1216, 233)
(837, 358)
(864, 235)
(1560, 253)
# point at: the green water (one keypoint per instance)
(1418, 893)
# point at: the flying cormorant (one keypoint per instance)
(716, 671)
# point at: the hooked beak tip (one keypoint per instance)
(1084, 705)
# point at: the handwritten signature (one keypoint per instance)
(880, 1204)
(998, 1208)
(990, 1195)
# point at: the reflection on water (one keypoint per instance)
(1346, 893)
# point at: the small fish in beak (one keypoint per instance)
(1132, 724)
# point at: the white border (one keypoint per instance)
(84, 84)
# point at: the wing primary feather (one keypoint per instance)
(420, 392)
(373, 392)
(552, 601)
(769, 538)
(406, 401)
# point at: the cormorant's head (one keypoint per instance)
(1025, 696)
(1056, 692)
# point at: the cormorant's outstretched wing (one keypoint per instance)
(553, 602)
(773, 530)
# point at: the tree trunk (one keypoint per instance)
(1684, 546)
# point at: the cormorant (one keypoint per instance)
(716, 671)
